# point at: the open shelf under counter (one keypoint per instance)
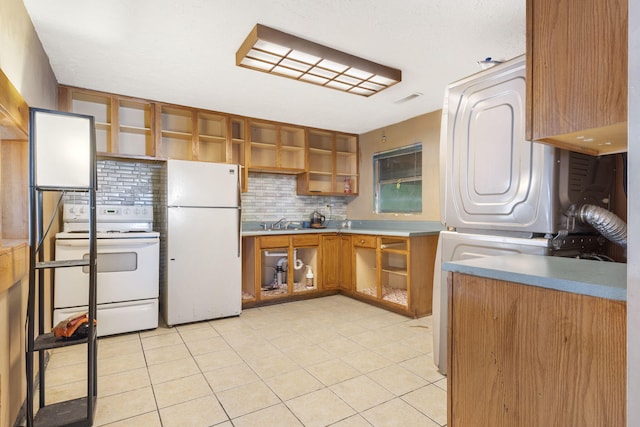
(394, 247)
(274, 293)
(370, 292)
(397, 296)
(396, 270)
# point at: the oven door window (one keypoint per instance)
(114, 261)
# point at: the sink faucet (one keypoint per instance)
(278, 224)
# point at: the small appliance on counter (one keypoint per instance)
(128, 267)
(317, 220)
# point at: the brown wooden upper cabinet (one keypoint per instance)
(276, 147)
(124, 125)
(326, 161)
(178, 139)
(332, 160)
(192, 134)
(577, 74)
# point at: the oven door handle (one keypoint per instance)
(125, 243)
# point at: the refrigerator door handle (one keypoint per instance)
(239, 230)
(239, 188)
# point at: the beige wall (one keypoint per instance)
(425, 129)
(23, 61)
(22, 57)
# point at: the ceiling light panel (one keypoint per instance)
(271, 51)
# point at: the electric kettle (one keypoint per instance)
(317, 219)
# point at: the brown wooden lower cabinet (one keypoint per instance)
(522, 355)
(336, 261)
(395, 273)
(275, 268)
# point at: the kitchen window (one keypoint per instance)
(397, 177)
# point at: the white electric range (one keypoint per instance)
(128, 267)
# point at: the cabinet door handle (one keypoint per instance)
(361, 241)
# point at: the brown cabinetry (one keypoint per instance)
(529, 356)
(14, 229)
(276, 147)
(394, 272)
(577, 74)
(133, 128)
(332, 160)
(191, 134)
(124, 125)
(336, 261)
(176, 132)
(275, 267)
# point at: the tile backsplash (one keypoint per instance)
(269, 197)
(125, 183)
(273, 196)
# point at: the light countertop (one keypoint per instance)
(383, 228)
(580, 276)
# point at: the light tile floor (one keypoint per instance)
(327, 361)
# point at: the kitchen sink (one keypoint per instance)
(281, 225)
(281, 228)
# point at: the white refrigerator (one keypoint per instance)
(203, 255)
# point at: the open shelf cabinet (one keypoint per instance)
(275, 267)
(124, 125)
(332, 160)
(176, 132)
(52, 136)
(275, 147)
(395, 272)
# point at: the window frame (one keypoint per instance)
(415, 149)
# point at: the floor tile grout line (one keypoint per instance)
(153, 391)
(256, 324)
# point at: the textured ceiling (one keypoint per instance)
(183, 52)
